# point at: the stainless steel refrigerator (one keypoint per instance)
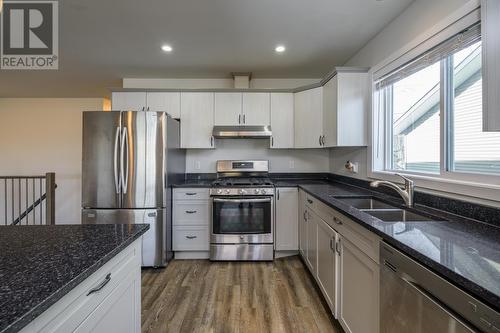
(129, 162)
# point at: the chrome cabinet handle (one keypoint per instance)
(115, 161)
(277, 194)
(191, 237)
(323, 140)
(305, 217)
(244, 119)
(239, 119)
(319, 140)
(190, 211)
(101, 285)
(336, 220)
(332, 242)
(211, 141)
(338, 247)
(191, 193)
(310, 201)
(272, 141)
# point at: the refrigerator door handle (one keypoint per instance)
(124, 150)
(115, 161)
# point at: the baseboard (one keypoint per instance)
(181, 255)
(282, 254)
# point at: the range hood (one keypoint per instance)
(242, 132)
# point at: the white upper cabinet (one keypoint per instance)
(308, 114)
(228, 109)
(128, 101)
(256, 109)
(345, 109)
(197, 120)
(490, 27)
(282, 117)
(169, 102)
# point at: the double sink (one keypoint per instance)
(383, 211)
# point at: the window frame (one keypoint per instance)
(482, 188)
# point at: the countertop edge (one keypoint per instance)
(33, 313)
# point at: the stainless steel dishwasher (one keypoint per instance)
(415, 300)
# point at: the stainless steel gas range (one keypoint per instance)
(242, 225)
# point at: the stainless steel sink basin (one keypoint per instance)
(399, 215)
(365, 203)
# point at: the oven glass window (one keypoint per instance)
(245, 217)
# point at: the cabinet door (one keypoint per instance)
(169, 102)
(308, 118)
(359, 290)
(197, 120)
(302, 223)
(327, 263)
(330, 112)
(312, 241)
(120, 311)
(228, 108)
(287, 229)
(490, 25)
(128, 101)
(256, 109)
(282, 120)
(352, 112)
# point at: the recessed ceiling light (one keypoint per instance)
(280, 48)
(166, 48)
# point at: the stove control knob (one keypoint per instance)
(242, 192)
(257, 191)
(219, 191)
(228, 191)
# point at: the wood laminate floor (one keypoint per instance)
(226, 297)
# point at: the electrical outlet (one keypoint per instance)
(197, 165)
(291, 164)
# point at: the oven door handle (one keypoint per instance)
(242, 200)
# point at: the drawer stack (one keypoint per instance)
(191, 219)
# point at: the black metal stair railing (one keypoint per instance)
(27, 200)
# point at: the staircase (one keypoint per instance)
(27, 200)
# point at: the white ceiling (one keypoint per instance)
(102, 41)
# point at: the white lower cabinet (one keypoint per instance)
(337, 254)
(328, 263)
(286, 219)
(109, 300)
(311, 241)
(359, 290)
(191, 223)
(302, 223)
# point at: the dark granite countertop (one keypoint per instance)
(466, 252)
(41, 264)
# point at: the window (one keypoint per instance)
(431, 109)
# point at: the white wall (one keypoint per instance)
(39, 135)
(413, 24)
(280, 160)
(214, 83)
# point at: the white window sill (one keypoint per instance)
(482, 193)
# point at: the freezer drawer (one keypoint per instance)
(154, 241)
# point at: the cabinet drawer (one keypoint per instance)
(191, 213)
(191, 194)
(191, 238)
(67, 314)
